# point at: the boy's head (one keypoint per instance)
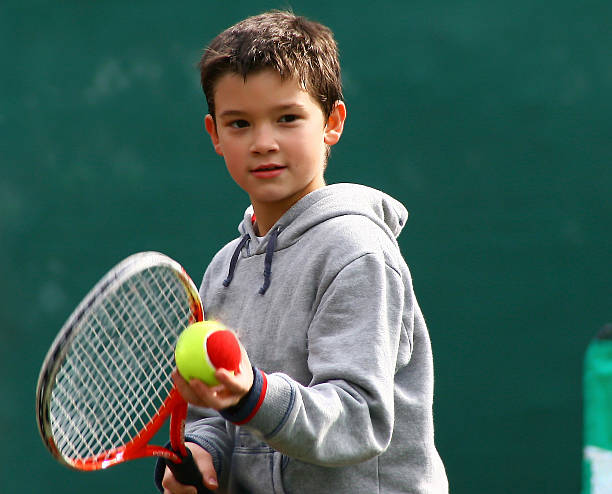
(292, 46)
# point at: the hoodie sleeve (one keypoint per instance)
(346, 414)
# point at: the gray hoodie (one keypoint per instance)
(325, 307)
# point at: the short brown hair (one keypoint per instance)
(293, 46)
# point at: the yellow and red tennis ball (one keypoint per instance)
(204, 347)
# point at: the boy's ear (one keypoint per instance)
(335, 124)
(211, 128)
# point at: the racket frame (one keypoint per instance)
(173, 406)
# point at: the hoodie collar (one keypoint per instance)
(322, 204)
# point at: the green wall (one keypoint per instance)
(490, 120)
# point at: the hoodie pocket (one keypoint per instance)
(256, 468)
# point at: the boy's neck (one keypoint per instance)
(268, 213)
(266, 217)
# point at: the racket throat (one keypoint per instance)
(176, 407)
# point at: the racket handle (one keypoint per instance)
(188, 473)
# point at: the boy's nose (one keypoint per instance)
(264, 141)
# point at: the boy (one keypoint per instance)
(336, 384)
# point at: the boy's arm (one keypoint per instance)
(346, 415)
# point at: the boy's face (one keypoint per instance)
(273, 136)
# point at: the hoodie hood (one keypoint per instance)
(321, 205)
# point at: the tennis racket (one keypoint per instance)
(104, 388)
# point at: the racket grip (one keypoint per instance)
(188, 473)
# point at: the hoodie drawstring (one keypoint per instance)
(234, 260)
(268, 259)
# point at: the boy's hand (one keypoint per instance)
(227, 393)
(205, 465)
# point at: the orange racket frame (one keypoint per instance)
(128, 274)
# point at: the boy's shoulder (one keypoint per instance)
(351, 230)
(348, 237)
(350, 216)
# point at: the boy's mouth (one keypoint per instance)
(269, 170)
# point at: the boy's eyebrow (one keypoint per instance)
(278, 108)
(230, 113)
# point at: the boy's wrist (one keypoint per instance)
(244, 399)
(250, 403)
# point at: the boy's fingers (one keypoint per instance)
(236, 383)
(173, 486)
(195, 391)
(183, 386)
(225, 377)
(204, 391)
(205, 465)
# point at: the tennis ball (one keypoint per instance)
(204, 347)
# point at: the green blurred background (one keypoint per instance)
(490, 120)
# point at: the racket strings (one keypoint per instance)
(117, 372)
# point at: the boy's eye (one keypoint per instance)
(239, 124)
(288, 118)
